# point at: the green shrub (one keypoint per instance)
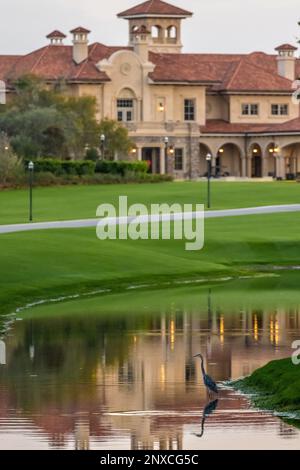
(121, 167)
(92, 154)
(63, 167)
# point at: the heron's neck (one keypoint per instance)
(202, 365)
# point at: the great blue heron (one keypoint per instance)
(208, 410)
(209, 383)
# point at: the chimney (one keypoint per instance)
(286, 61)
(80, 44)
(56, 38)
(140, 40)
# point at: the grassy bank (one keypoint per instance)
(260, 294)
(64, 203)
(51, 263)
(276, 385)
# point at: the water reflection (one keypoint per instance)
(106, 381)
(208, 410)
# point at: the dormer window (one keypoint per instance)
(250, 109)
(280, 109)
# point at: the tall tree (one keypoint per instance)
(117, 140)
(41, 121)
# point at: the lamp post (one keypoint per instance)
(30, 169)
(209, 160)
(102, 139)
(166, 155)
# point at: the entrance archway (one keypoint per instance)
(228, 161)
(204, 150)
(291, 154)
(256, 168)
(272, 152)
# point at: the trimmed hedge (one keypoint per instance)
(87, 167)
(64, 167)
(49, 179)
(121, 167)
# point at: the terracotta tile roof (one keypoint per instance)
(246, 76)
(286, 47)
(80, 29)
(289, 126)
(240, 73)
(52, 63)
(6, 63)
(191, 68)
(218, 126)
(225, 72)
(56, 34)
(155, 7)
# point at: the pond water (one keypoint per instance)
(112, 373)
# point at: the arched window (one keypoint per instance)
(126, 106)
(156, 32)
(171, 32)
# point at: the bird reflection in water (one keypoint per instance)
(208, 410)
(212, 390)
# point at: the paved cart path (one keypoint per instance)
(125, 220)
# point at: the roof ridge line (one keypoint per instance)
(238, 66)
(40, 58)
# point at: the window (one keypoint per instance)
(250, 109)
(280, 109)
(189, 110)
(156, 32)
(178, 164)
(125, 109)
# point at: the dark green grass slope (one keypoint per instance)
(277, 386)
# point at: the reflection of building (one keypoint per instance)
(150, 390)
(238, 107)
(82, 436)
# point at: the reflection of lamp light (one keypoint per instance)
(172, 331)
(161, 107)
(255, 328)
(222, 329)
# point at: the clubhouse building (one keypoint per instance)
(240, 108)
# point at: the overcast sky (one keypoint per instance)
(217, 25)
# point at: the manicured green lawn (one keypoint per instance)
(47, 264)
(77, 202)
